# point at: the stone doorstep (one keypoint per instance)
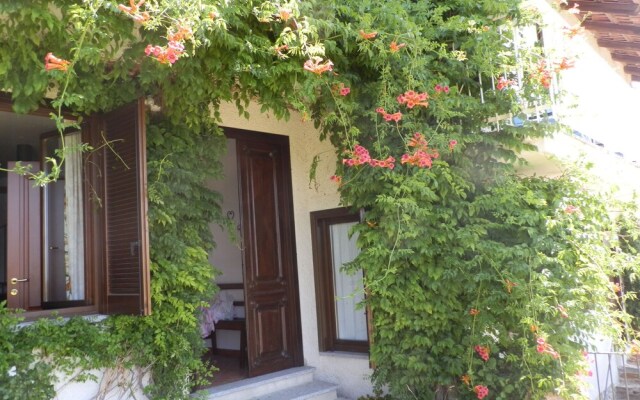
(291, 384)
(315, 390)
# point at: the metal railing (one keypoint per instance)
(616, 375)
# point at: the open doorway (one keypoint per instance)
(259, 273)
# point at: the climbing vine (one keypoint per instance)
(91, 56)
(481, 283)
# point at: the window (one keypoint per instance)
(342, 324)
(62, 220)
(77, 245)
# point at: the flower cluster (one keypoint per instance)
(573, 31)
(53, 62)
(412, 99)
(280, 51)
(183, 33)
(474, 312)
(504, 83)
(483, 352)
(317, 66)
(360, 156)
(563, 64)
(389, 117)
(165, 54)
(545, 348)
(341, 89)
(133, 11)
(395, 47)
(452, 144)
(367, 36)
(615, 286)
(284, 14)
(481, 391)
(441, 89)
(542, 74)
(422, 156)
(509, 285)
(570, 209)
(388, 162)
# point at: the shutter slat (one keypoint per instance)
(127, 272)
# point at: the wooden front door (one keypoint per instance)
(271, 289)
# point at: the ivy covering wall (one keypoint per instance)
(480, 282)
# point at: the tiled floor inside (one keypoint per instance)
(228, 369)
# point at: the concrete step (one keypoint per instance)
(628, 390)
(315, 390)
(622, 394)
(629, 376)
(254, 388)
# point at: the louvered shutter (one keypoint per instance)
(126, 272)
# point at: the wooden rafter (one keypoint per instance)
(610, 27)
(625, 58)
(618, 45)
(607, 8)
(615, 24)
(632, 70)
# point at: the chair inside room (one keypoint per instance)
(237, 323)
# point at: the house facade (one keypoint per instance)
(268, 193)
(298, 307)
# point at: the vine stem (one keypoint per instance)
(391, 252)
(53, 175)
(340, 113)
(473, 327)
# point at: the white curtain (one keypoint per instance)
(351, 320)
(74, 219)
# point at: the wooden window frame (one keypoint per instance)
(103, 287)
(324, 284)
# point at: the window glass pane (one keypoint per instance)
(351, 321)
(63, 245)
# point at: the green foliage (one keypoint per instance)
(181, 208)
(629, 236)
(448, 261)
(466, 234)
(464, 253)
(108, 67)
(168, 341)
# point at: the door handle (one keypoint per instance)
(16, 280)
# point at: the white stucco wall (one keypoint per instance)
(112, 384)
(349, 370)
(597, 98)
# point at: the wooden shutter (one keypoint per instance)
(126, 264)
